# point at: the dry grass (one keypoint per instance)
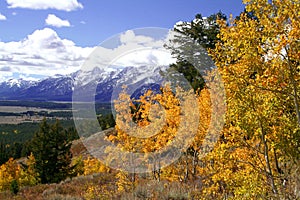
(103, 186)
(67, 190)
(164, 190)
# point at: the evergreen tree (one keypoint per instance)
(106, 121)
(202, 31)
(3, 153)
(51, 149)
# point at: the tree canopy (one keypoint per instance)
(51, 148)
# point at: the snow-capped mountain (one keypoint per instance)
(14, 86)
(99, 82)
(16, 83)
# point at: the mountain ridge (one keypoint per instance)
(61, 87)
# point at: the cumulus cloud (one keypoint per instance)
(2, 17)
(130, 37)
(42, 53)
(66, 5)
(133, 50)
(53, 20)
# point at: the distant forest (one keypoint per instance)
(15, 138)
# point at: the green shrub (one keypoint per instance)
(14, 186)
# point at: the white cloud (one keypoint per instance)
(133, 50)
(145, 57)
(2, 17)
(53, 20)
(130, 37)
(42, 53)
(66, 5)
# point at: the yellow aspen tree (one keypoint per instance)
(94, 165)
(9, 171)
(29, 175)
(258, 58)
(152, 124)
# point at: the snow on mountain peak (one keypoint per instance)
(61, 87)
(17, 82)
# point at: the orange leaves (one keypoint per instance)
(151, 123)
(205, 110)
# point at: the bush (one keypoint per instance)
(14, 186)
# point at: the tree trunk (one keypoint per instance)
(267, 159)
(294, 85)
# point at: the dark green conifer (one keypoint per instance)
(51, 149)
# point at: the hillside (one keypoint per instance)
(103, 185)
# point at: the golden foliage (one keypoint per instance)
(11, 170)
(94, 165)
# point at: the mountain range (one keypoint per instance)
(101, 83)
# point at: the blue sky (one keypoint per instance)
(80, 25)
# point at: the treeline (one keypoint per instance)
(101, 107)
(37, 104)
(48, 158)
(15, 139)
(63, 114)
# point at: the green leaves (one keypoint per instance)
(51, 149)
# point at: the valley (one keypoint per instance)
(16, 112)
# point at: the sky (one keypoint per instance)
(40, 38)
